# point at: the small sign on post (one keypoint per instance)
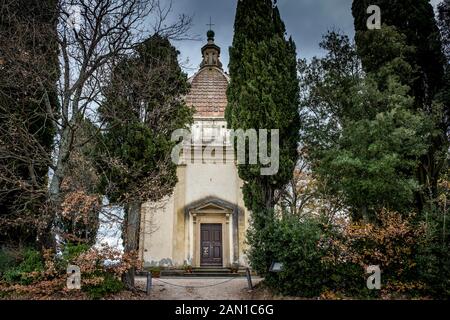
(276, 267)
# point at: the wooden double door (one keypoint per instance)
(211, 245)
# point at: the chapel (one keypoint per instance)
(204, 222)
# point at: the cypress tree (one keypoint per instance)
(414, 19)
(263, 94)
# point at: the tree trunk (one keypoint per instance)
(48, 239)
(269, 192)
(131, 238)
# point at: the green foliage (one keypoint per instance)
(372, 132)
(434, 256)
(263, 94)
(414, 21)
(374, 160)
(72, 251)
(303, 247)
(109, 285)
(141, 151)
(389, 61)
(295, 244)
(329, 260)
(23, 273)
(363, 137)
(7, 260)
(155, 271)
(142, 109)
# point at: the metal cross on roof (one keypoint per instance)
(210, 24)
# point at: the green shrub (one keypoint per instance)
(7, 260)
(330, 261)
(433, 260)
(71, 252)
(155, 271)
(27, 271)
(295, 244)
(110, 285)
(309, 268)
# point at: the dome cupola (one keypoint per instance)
(208, 93)
(211, 53)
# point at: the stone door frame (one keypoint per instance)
(212, 211)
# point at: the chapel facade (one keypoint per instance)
(204, 222)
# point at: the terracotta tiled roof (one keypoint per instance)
(208, 93)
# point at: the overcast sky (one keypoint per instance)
(306, 21)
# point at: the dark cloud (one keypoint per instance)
(306, 21)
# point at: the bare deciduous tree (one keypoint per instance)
(90, 36)
(305, 196)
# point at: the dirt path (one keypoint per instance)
(200, 288)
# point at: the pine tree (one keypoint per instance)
(415, 19)
(142, 109)
(263, 94)
(28, 76)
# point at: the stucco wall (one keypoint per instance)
(167, 229)
(156, 241)
(211, 181)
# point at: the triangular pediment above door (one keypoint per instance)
(211, 205)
